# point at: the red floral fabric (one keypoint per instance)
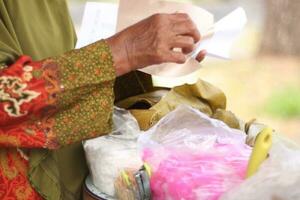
(49, 104)
(22, 98)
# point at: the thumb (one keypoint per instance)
(200, 57)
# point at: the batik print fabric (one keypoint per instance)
(49, 104)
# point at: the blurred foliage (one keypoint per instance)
(284, 103)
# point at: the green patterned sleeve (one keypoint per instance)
(79, 84)
(79, 72)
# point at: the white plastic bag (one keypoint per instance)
(193, 156)
(108, 155)
(278, 178)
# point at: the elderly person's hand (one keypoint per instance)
(153, 40)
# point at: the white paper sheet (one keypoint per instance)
(226, 31)
(99, 22)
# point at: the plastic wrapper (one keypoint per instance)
(108, 155)
(127, 189)
(278, 178)
(193, 156)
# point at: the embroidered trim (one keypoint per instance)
(13, 93)
(53, 87)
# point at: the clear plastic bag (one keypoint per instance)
(278, 178)
(193, 156)
(108, 155)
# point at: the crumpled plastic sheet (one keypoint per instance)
(278, 178)
(110, 154)
(193, 156)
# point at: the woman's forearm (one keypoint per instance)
(58, 100)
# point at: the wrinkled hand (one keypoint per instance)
(153, 40)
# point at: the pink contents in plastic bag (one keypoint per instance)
(197, 175)
(194, 157)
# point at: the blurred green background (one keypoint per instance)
(263, 79)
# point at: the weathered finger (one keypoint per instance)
(187, 28)
(200, 57)
(175, 57)
(186, 43)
